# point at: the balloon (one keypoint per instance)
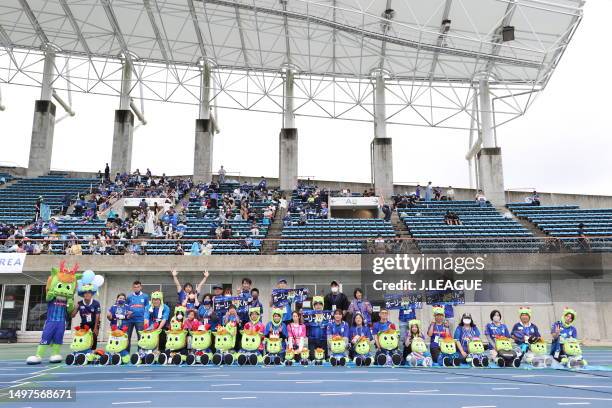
(88, 276)
(98, 280)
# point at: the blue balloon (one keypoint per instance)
(88, 276)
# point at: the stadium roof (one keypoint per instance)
(442, 43)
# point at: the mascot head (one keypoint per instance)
(338, 345)
(82, 339)
(250, 340)
(149, 338)
(176, 339)
(201, 339)
(571, 347)
(503, 343)
(418, 345)
(63, 281)
(539, 348)
(362, 346)
(475, 346)
(274, 345)
(224, 341)
(448, 345)
(388, 340)
(117, 340)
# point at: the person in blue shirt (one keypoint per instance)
(119, 313)
(275, 327)
(316, 329)
(282, 284)
(262, 184)
(494, 329)
(138, 301)
(158, 315)
(524, 332)
(464, 332)
(338, 327)
(562, 330)
(206, 313)
(255, 302)
(245, 292)
(89, 310)
(187, 288)
(382, 325)
(358, 329)
(438, 329)
(406, 314)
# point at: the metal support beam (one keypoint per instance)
(486, 121)
(75, 26)
(137, 112)
(288, 108)
(126, 86)
(497, 35)
(380, 109)
(63, 104)
(286, 27)
(204, 111)
(245, 56)
(46, 91)
(440, 42)
(386, 25)
(30, 14)
(196, 27)
(156, 31)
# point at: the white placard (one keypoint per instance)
(354, 202)
(12, 262)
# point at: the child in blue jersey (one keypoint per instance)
(206, 313)
(282, 284)
(524, 332)
(437, 330)
(316, 329)
(89, 310)
(562, 330)
(358, 329)
(138, 302)
(382, 325)
(158, 314)
(464, 332)
(276, 329)
(495, 328)
(187, 288)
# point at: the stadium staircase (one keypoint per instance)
(270, 245)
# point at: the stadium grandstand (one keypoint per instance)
(473, 65)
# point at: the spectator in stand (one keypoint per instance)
(303, 220)
(221, 175)
(106, 173)
(66, 203)
(282, 205)
(336, 300)
(481, 199)
(584, 242)
(437, 191)
(387, 212)
(262, 184)
(450, 193)
(428, 191)
(535, 198)
(417, 192)
(178, 250)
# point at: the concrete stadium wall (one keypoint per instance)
(594, 320)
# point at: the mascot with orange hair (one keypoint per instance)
(61, 286)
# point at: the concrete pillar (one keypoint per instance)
(43, 126)
(382, 148)
(491, 175)
(288, 141)
(288, 159)
(41, 145)
(123, 133)
(121, 161)
(204, 133)
(203, 153)
(490, 169)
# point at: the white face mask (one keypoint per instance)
(467, 321)
(496, 319)
(334, 289)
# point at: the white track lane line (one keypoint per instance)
(573, 403)
(225, 385)
(335, 394)
(130, 402)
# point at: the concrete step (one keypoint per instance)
(270, 244)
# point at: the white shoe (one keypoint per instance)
(56, 358)
(32, 360)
